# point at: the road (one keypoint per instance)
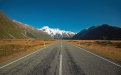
(60, 58)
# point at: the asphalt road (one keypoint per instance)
(60, 58)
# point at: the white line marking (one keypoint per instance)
(61, 42)
(101, 57)
(98, 56)
(60, 69)
(23, 57)
(20, 58)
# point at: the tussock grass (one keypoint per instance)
(111, 49)
(12, 48)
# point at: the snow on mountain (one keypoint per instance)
(57, 33)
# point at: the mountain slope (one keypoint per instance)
(57, 33)
(104, 32)
(7, 29)
(15, 30)
(83, 32)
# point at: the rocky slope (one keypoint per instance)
(15, 30)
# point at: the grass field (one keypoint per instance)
(12, 48)
(110, 49)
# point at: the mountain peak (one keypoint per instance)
(45, 27)
(57, 33)
(103, 32)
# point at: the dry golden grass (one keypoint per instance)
(12, 48)
(109, 49)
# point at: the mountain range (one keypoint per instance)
(103, 32)
(11, 29)
(57, 33)
(83, 32)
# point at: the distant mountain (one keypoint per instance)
(84, 32)
(15, 30)
(104, 32)
(57, 33)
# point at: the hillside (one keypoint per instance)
(104, 32)
(15, 30)
(83, 32)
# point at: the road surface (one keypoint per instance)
(60, 58)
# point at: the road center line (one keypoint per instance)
(60, 69)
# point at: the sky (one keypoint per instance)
(70, 15)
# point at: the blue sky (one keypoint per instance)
(70, 15)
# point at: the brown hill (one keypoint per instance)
(14, 30)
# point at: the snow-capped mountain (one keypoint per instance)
(57, 33)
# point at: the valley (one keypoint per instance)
(25, 50)
(60, 58)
